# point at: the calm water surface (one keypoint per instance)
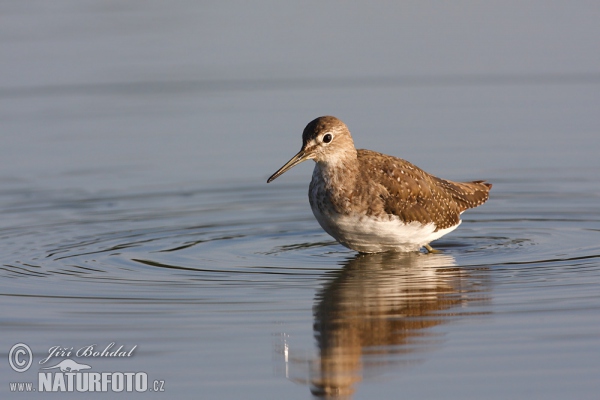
(135, 211)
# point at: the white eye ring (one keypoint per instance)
(327, 138)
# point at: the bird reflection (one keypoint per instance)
(375, 313)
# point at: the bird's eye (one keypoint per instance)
(327, 138)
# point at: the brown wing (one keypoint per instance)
(412, 194)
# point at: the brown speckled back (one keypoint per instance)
(414, 195)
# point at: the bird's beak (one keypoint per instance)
(302, 155)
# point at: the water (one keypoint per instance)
(135, 208)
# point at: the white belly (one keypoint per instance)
(371, 235)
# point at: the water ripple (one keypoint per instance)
(208, 238)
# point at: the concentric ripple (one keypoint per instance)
(247, 235)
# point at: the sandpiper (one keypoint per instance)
(371, 202)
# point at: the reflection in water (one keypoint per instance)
(375, 312)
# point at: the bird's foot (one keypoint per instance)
(431, 249)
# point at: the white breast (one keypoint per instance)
(370, 235)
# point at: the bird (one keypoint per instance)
(372, 202)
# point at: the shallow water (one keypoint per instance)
(135, 211)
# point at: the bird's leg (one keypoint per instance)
(431, 249)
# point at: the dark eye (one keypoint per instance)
(327, 138)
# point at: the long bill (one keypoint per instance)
(297, 159)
